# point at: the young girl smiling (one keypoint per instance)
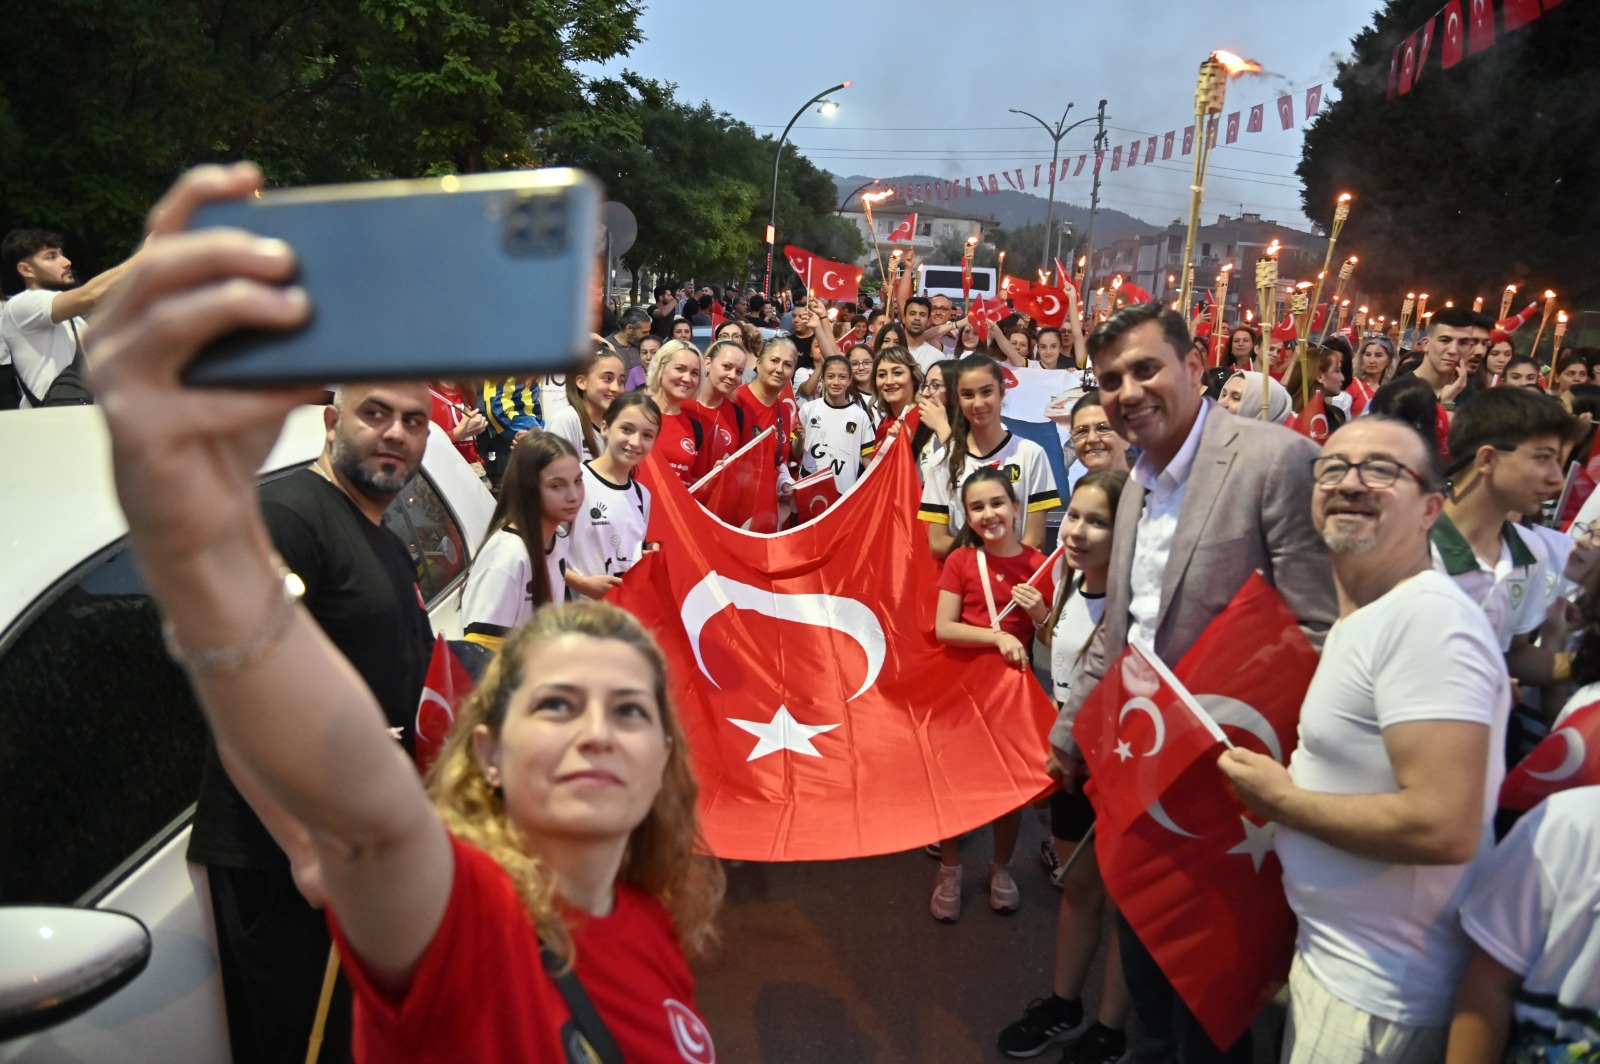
(989, 568)
(608, 533)
(835, 427)
(979, 438)
(590, 389)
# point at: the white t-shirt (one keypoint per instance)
(553, 394)
(608, 533)
(926, 355)
(40, 348)
(1025, 462)
(1074, 628)
(497, 596)
(835, 436)
(1513, 593)
(1378, 935)
(564, 423)
(1534, 907)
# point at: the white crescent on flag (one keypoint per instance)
(1570, 763)
(831, 285)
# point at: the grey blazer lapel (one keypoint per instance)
(1120, 577)
(1206, 479)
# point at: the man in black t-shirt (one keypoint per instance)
(361, 586)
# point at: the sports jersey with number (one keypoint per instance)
(1024, 463)
(608, 533)
(836, 437)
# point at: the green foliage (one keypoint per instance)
(1478, 177)
(700, 184)
(110, 99)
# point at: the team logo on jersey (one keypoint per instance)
(597, 513)
(1012, 470)
(850, 428)
(688, 445)
(689, 1033)
(724, 436)
(816, 422)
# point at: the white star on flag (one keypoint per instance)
(1257, 841)
(783, 732)
(1123, 750)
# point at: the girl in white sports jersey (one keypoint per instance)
(978, 438)
(524, 554)
(590, 389)
(837, 430)
(608, 533)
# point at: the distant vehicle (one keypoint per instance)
(104, 742)
(946, 281)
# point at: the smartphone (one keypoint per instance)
(482, 275)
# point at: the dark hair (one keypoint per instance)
(1431, 475)
(1090, 397)
(922, 301)
(1216, 378)
(1410, 400)
(20, 244)
(1108, 333)
(520, 504)
(663, 290)
(1586, 659)
(1571, 358)
(1505, 418)
(957, 445)
(1455, 318)
(968, 536)
(1110, 482)
(633, 316)
(704, 302)
(1518, 360)
(879, 343)
(1228, 357)
(627, 401)
(1585, 400)
(575, 398)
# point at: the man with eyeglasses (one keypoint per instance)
(1387, 803)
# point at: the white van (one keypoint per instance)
(946, 281)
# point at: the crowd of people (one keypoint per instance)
(554, 843)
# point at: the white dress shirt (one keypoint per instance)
(1163, 500)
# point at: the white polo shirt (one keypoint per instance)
(1513, 592)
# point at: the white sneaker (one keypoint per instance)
(946, 903)
(1004, 897)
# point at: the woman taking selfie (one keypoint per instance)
(561, 812)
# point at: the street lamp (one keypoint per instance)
(858, 190)
(828, 107)
(1056, 132)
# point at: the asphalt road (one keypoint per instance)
(841, 962)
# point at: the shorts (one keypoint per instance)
(1070, 815)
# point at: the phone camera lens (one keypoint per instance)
(535, 225)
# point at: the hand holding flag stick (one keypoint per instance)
(1033, 581)
(709, 477)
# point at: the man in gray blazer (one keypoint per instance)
(1213, 499)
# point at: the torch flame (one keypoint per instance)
(877, 197)
(1549, 294)
(1236, 65)
(1272, 249)
(1116, 282)
(1561, 317)
(1351, 260)
(1302, 286)
(1083, 260)
(1226, 266)
(1511, 288)
(1344, 197)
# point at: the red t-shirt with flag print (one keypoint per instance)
(480, 992)
(961, 577)
(681, 447)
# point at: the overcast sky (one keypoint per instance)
(943, 110)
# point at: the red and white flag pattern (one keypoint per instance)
(907, 228)
(1568, 757)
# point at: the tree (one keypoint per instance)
(1474, 179)
(699, 183)
(111, 99)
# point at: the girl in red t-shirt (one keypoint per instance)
(989, 568)
(674, 382)
(452, 410)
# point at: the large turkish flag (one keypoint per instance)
(824, 719)
(1196, 875)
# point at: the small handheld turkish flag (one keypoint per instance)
(814, 494)
(743, 491)
(1506, 326)
(905, 230)
(822, 277)
(1196, 876)
(1568, 757)
(1312, 422)
(1285, 330)
(443, 693)
(1045, 305)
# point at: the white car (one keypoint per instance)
(101, 741)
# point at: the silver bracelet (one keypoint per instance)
(234, 658)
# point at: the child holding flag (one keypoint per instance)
(608, 533)
(990, 564)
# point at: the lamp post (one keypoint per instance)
(1057, 132)
(777, 157)
(852, 195)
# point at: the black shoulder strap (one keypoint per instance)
(699, 432)
(738, 417)
(588, 1021)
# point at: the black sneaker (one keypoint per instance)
(1099, 1045)
(1045, 1022)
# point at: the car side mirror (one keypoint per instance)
(58, 961)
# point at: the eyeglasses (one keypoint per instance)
(1374, 473)
(932, 386)
(1102, 429)
(1586, 532)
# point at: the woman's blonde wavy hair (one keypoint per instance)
(665, 854)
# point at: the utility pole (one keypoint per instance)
(1094, 195)
(1056, 132)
